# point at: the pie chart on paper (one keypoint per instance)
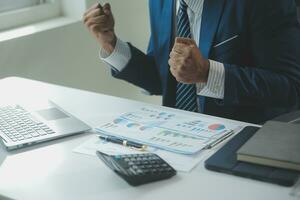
(216, 127)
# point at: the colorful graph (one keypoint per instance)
(176, 135)
(144, 128)
(120, 121)
(157, 115)
(216, 127)
(173, 131)
(132, 125)
(169, 142)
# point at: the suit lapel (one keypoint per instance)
(212, 11)
(167, 25)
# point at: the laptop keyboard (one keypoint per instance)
(18, 124)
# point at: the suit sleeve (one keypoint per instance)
(274, 80)
(142, 70)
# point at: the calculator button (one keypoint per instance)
(134, 167)
(169, 169)
(160, 169)
(130, 163)
(125, 156)
(150, 166)
(118, 157)
(132, 171)
(138, 163)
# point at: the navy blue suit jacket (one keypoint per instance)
(262, 64)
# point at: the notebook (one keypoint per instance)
(225, 161)
(276, 144)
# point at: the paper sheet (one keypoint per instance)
(184, 163)
(173, 131)
(295, 192)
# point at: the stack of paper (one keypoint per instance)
(175, 136)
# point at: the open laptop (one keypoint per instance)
(25, 124)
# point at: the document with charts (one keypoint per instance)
(173, 131)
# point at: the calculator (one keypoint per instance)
(138, 169)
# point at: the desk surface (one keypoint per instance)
(52, 171)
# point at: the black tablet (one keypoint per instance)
(225, 160)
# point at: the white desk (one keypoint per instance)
(52, 171)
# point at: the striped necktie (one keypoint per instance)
(186, 98)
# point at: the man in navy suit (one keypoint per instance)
(243, 56)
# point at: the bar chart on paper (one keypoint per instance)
(176, 132)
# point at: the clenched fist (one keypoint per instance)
(186, 62)
(100, 22)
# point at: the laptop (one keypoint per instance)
(24, 124)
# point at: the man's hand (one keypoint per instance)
(100, 22)
(186, 62)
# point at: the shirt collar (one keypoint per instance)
(195, 5)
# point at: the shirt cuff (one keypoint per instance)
(215, 85)
(119, 58)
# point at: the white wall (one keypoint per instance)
(68, 55)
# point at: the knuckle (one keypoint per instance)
(173, 72)
(172, 55)
(170, 62)
(93, 28)
(88, 23)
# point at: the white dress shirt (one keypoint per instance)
(214, 87)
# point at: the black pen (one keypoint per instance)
(134, 145)
(101, 8)
(99, 5)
